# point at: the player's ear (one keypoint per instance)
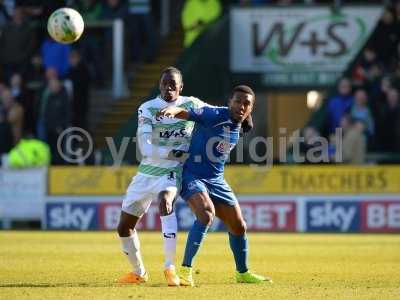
(181, 88)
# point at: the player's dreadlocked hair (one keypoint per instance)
(171, 70)
(244, 89)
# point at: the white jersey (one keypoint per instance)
(166, 133)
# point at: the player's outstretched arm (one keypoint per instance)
(174, 112)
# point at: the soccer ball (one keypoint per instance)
(65, 25)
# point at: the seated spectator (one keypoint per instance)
(56, 55)
(26, 99)
(80, 77)
(196, 15)
(142, 30)
(339, 104)
(91, 10)
(14, 114)
(311, 141)
(385, 37)
(17, 42)
(91, 45)
(354, 145)
(54, 116)
(35, 73)
(389, 123)
(360, 111)
(4, 17)
(6, 140)
(362, 70)
(114, 9)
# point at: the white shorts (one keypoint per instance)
(144, 189)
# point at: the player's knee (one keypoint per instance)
(207, 217)
(240, 228)
(165, 205)
(123, 229)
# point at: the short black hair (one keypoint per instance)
(172, 70)
(244, 89)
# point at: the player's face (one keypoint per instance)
(170, 86)
(241, 105)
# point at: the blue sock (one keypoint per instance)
(240, 251)
(194, 240)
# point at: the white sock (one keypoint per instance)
(131, 247)
(169, 227)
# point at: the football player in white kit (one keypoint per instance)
(161, 142)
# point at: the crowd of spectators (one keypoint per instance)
(366, 104)
(44, 85)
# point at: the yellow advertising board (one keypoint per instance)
(243, 180)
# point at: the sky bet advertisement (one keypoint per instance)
(262, 214)
(63, 213)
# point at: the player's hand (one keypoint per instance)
(166, 112)
(178, 155)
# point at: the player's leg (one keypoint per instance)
(169, 227)
(228, 210)
(131, 247)
(232, 217)
(134, 205)
(203, 209)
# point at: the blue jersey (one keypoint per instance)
(214, 136)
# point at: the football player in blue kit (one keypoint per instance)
(203, 185)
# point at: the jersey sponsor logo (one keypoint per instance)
(198, 111)
(224, 147)
(173, 133)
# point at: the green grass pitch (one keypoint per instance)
(72, 265)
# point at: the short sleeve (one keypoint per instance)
(144, 120)
(207, 115)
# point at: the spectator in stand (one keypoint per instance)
(362, 71)
(90, 45)
(196, 15)
(14, 114)
(6, 137)
(4, 17)
(56, 55)
(114, 9)
(35, 74)
(389, 123)
(361, 112)
(310, 135)
(54, 116)
(91, 10)
(141, 25)
(26, 99)
(385, 37)
(354, 144)
(339, 104)
(80, 77)
(17, 43)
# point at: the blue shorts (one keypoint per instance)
(217, 188)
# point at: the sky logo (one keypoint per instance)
(71, 216)
(334, 216)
